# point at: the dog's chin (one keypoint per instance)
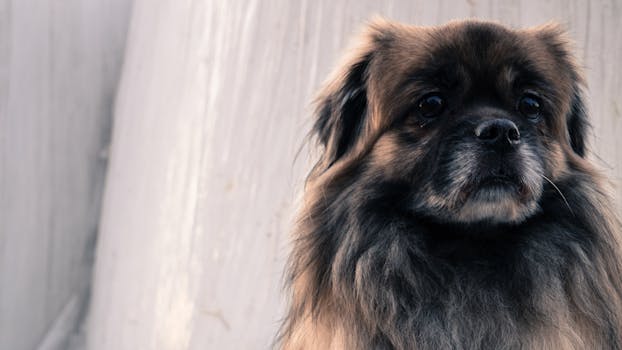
(497, 201)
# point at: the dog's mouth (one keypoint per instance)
(478, 187)
(496, 198)
(498, 181)
(493, 188)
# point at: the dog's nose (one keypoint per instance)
(498, 132)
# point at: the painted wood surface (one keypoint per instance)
(59, 66)
(204, 175)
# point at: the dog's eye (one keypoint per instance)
(431, 105)
(529, 106)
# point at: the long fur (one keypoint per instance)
(367, 271)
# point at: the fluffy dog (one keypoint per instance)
(453, 206)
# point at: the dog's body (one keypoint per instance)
(453, 207)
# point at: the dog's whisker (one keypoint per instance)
(560, 193)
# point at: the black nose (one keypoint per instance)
(498, 132)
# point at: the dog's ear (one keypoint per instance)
(342, 108)
(560, 46)
(578, 124)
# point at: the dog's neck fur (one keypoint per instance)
(510, 290)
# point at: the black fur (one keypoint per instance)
(341, 115)
(578, 124)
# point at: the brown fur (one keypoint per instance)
(386, 258)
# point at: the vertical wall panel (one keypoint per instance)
(204, 179)
(59, 67)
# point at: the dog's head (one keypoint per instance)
(473, 117)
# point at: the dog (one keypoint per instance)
(452, 205)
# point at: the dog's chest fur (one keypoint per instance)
(469, 294)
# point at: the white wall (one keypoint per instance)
(59, 66)
(203, 180)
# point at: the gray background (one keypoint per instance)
(203, 178)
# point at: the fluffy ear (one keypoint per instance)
(560, 46)
(578, 124)
(342, 109)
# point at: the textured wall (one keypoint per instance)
(203, 179)
(59, 66)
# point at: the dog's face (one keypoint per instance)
(473, 117)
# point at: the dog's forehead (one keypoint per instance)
(481, 46)
(482, 53)
(475, 48)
